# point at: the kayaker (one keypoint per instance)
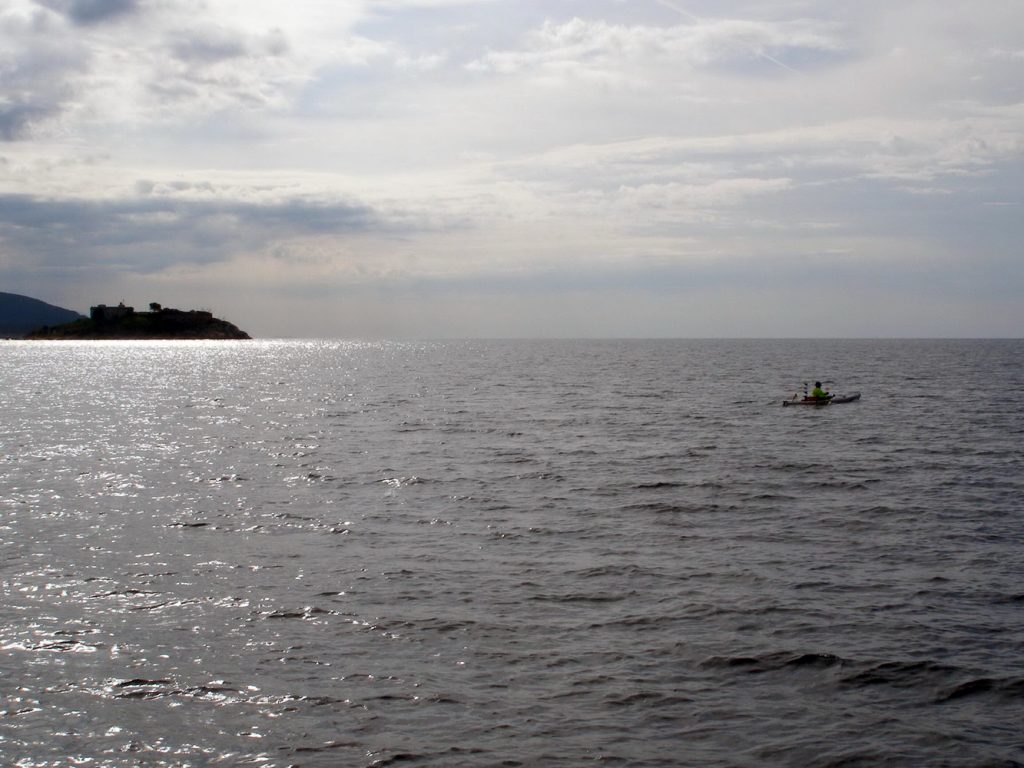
(818, 393)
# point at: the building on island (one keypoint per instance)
(103, 313)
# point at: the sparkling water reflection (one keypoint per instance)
(519, 553)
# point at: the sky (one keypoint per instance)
(520, 168)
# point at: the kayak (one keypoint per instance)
(831, 401)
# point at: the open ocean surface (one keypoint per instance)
(511, 553)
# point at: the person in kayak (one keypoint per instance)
(818, 393)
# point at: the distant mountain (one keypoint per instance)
(19, 315)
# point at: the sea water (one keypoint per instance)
(555, 553)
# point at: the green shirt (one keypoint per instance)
(818, 393)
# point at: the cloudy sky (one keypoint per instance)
(439, 168)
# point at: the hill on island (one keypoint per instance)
(123, 322)
(21, 314)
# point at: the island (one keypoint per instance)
(159, 323)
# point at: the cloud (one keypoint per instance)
(38, 70)
(589, 49)
(678, 203)
(88, 12)
(319, 148)
(209, 45)
(18, 117)
(971, 140)
(72, 65)
(169, 225)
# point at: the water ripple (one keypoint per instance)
(510, 553)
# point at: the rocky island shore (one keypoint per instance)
(159, 323)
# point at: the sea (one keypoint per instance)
(511, 553)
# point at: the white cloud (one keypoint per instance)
(599, 49)
(679, 202)
(321, 145)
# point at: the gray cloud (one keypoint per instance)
(17, 119)
(208, 45)
(868, 153)
(89, 12)
(37, 75)
(147, 234)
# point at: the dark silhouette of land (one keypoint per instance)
(123, 322)
(20, 315)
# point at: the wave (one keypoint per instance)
(772, 662)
